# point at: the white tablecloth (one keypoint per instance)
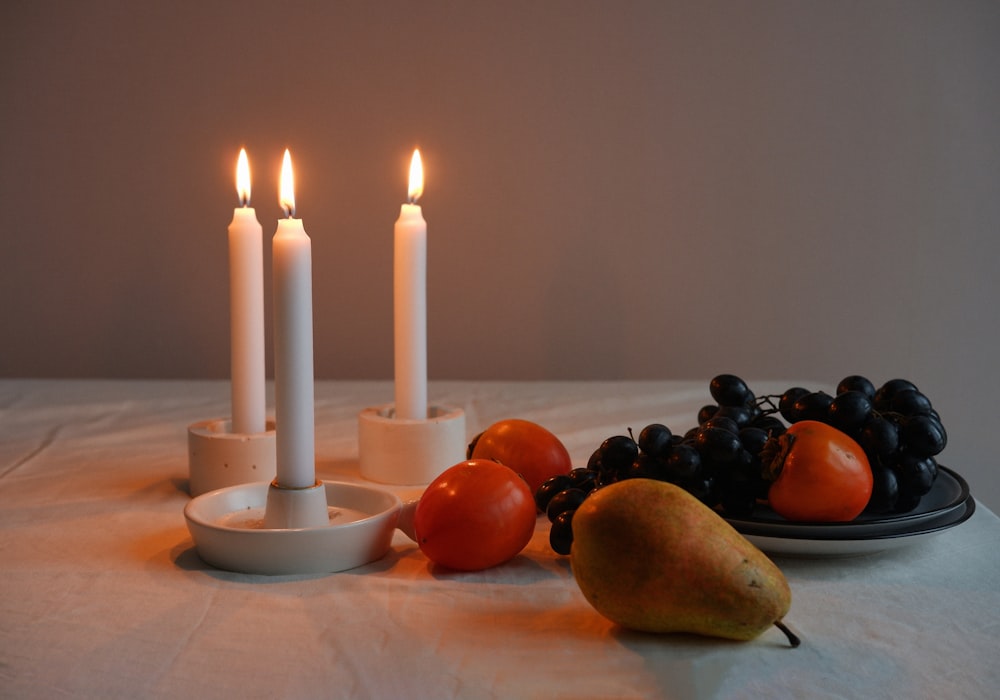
(102, 594)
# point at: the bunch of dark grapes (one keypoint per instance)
(719, 460)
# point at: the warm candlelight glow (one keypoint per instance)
(243, 178)
(287, 192)
(416, 177)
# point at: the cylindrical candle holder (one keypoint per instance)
(405, 451)
(218, 457)
(296, 509)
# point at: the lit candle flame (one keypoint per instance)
(286, 194)
(416, 177)
(243, 178)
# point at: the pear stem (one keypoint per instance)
(793, 639)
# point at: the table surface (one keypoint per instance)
(103, 595)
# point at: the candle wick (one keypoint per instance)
(244, 200)
(289, 211)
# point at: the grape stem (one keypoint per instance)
(793, 639)
(768, 401)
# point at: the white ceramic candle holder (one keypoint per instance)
(404, 451)
(218, 457)
(229, 531)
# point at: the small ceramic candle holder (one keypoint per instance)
(218, 457)
(404, 451)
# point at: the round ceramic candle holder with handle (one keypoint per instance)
(404, 451)
(230, 531)
(218, 457)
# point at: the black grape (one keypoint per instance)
(718, 444)
(569, 499)
(884, 395)
(856, 382)
(786, 404)
(706, 412)
(549, 488)
(753, 439)
(618, 453)
(879, 437)
(561, 533)
(849, 411)
(909, 402)
(647, 467)
(740, 415)
(655, 439)
(814, 406)
(916, 474)
(885, 490)
(683, 462)
(583, 479)
(723, 422)
(924, 435)
(730, 390)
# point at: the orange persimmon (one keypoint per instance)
(526, 447)
(475, 515)
(817, 474)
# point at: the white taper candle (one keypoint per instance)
(246, 310)
(294, 411)
(410, 301)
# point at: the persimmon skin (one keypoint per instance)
(818, 473)
(526, 447)
(474, 515)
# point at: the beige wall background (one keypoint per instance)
(639, 189)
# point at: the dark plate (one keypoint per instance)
(949, 494)
(827, 547)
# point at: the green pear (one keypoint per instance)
(651, 557)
